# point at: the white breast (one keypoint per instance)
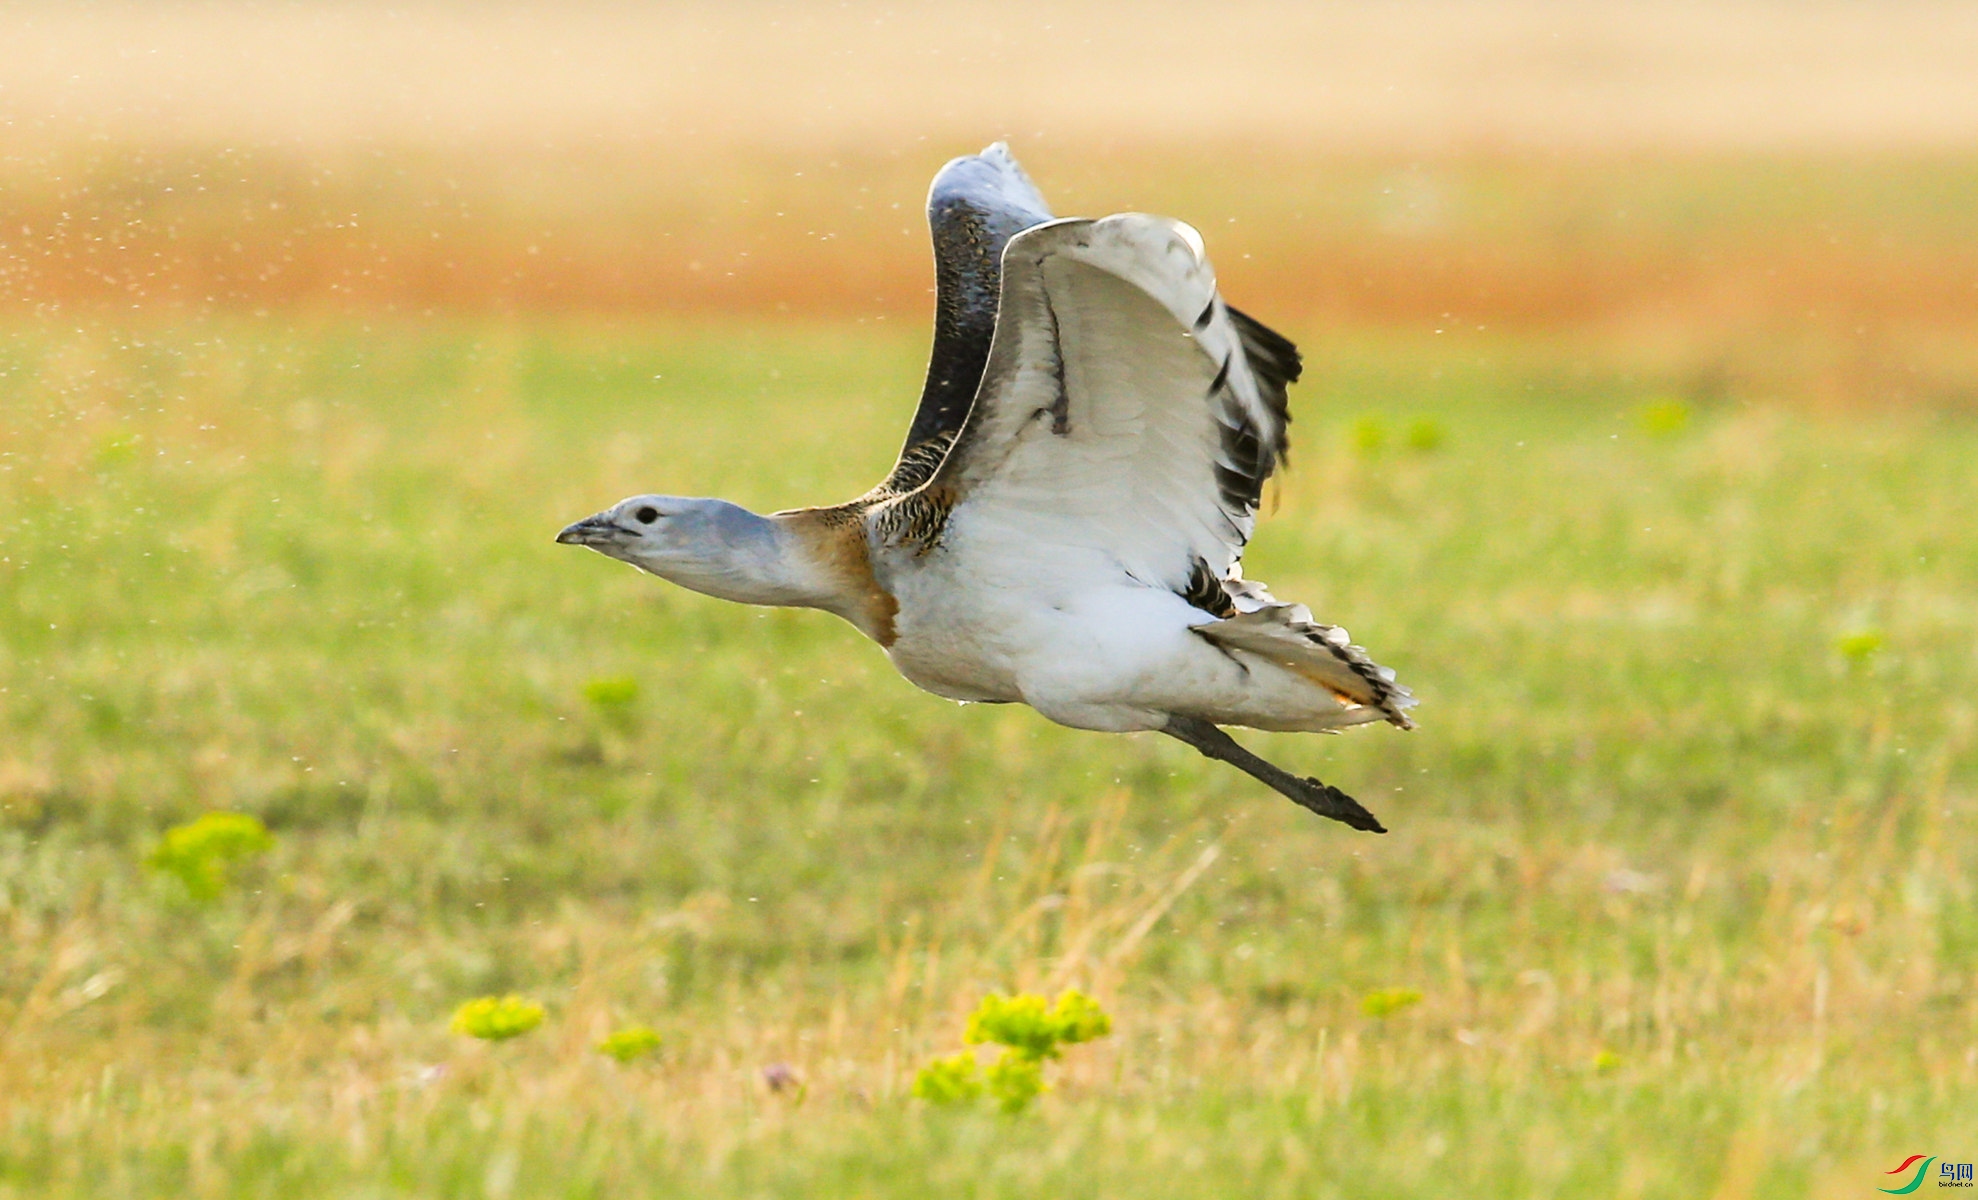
(1054, 618)
(947, 643)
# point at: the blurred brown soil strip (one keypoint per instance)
(1709, 244)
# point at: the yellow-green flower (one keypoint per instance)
(1021, 1022)
(1388, 1001)
(201, 853)
(950, 1080)
(497, 1018)
(1860, 646)
(1015, 1079)
(1079, 1018)
(1030, 1030)
(1665, 418)
(614, 697)
(630, 1043)
(1369, 436)
(1424, 435)
(1034, 1030)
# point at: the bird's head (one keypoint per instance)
(651, 531)
(711, 546)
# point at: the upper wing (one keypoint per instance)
(976, 204)
(1124, 406)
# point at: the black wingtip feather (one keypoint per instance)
(1273, 356)
(1276, 363)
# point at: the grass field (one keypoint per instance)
(1638, 435)
(1682, 861)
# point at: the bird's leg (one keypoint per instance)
(1323, 799)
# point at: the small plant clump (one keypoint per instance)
(1664, 418)
(631, 1043)
(201, 854)
(1388, 1001)
(1031, 1031)
(1860, 646)
(497, 1018)
(1425, 435)
(1023, 1024)
(1369, 436)
(951, 1080)
(1015, 1080)
(614, 695)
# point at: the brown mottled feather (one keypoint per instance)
(904, 511)
(836, 540)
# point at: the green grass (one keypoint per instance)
(1682, 863)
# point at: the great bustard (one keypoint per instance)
(1066, 521)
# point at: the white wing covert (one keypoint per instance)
(1120, 408)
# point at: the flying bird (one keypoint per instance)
(1065, 525)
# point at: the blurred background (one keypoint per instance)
(1728, 182)
(1637, 433)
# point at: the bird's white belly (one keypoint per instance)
(1087, 646)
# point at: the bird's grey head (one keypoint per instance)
(711, 546)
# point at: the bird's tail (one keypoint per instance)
(1286, 635)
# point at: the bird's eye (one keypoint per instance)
(647, 515)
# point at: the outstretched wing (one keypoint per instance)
(1124, 406)
(976, 204)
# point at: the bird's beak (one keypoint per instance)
(599, 530)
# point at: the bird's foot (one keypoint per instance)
(1328, 801)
